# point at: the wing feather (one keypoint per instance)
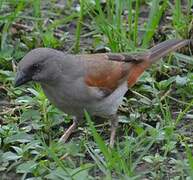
(106, 72)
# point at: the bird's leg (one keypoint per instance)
(69, 131)
(114, 124)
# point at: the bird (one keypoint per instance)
(96, 83)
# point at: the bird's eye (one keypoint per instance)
(35, 66)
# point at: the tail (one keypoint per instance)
(164, 48)
(153, 55)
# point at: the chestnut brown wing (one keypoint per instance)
(106, 72)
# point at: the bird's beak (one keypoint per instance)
(21, 78)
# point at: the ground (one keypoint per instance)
(155, 136)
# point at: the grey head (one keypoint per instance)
(40, 65)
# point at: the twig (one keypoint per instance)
(165, 95)
(140, 95)
(6, 103)
(22, 26)
(57, 33)
(9, 111)
(64, 156)
(178, 101)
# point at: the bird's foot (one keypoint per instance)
(68, 132)
(114, 124)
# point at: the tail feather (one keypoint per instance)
(153, 55)
(166, 47)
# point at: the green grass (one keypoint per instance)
(154, 18)
(154, 138)
(79, 26)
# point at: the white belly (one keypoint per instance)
(73, 106)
